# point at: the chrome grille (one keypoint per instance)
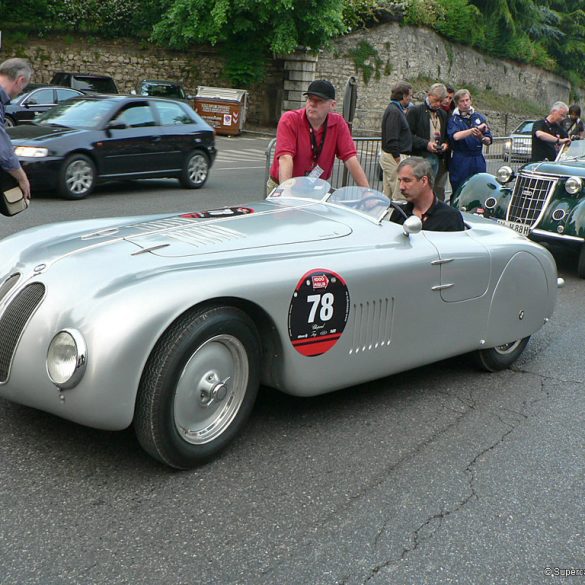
(13, 322)
(529, 198)
(8, 284)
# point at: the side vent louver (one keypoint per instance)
(372, 325)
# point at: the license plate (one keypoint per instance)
(521, 228)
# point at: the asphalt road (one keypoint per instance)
(435, 476)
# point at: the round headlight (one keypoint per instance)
(66, 358)
(573, 185)
(504, 174)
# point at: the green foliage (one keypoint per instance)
(251, 31)
(366, 59)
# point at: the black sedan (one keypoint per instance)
(37, 100)
(99, 138)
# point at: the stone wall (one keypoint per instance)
(128, 63)
(399, 52)
(405, 52)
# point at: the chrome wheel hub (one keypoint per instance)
(211, 389)
(197, 169)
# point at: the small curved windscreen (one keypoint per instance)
(573, 151)
(362, 199)
(302, 188)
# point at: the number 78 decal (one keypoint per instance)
(318, 312)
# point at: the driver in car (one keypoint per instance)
(415, 176)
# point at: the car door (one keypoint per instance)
(133, 148)
(37, 102)
(178, 133)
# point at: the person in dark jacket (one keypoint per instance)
(428, 124)
(468, 132)
(396, 137)
(548, 134)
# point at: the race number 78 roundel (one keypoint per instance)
(318, 312)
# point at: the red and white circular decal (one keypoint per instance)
(318, 312)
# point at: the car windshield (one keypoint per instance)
(362, 199)
(359, 199)
(524, 128)
(168, 90)
(573, 151)
(89, 114)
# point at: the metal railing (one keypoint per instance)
(502, 151)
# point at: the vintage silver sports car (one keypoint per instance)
(171, 322)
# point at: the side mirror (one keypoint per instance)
(412, 225)
(31, 102)
(116, 125)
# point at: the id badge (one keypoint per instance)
(316, 172)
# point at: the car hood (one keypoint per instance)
(35, 133)
(257, 228)
(565, 168)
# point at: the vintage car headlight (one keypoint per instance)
(573, 185)
(31, 151)
(504, 174)
(66, 358)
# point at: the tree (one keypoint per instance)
(250, 32)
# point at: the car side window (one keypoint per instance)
(65, 94)
(172, 114)
(43, 96)
(137, 116)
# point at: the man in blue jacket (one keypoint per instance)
(467, 131)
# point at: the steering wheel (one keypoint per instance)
(361, 204)
(398, 208)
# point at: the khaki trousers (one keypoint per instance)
(389, 167)
(270, 185)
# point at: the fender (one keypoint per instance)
(483, 195)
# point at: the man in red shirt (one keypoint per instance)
(309, 139)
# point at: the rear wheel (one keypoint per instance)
(195, 170)
(198, 387)
(500, 357)
(9, 122)
(581, 262)
(77, 177)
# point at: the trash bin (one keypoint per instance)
(222, 108)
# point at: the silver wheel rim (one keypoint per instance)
(8, 122)
(507, 348)
(79, 177)
(211, 389)
(197, 169)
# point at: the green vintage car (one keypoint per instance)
(542, 200)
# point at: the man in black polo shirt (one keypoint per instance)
(548, 135)
(415, 176)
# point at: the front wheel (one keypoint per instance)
(77, 177)
(500, 357)
(9, 122)
(198, 387)
(195, 170)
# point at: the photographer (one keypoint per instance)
(428, 125)
(468, 132)
(548, 134)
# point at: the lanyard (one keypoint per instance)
(317, 149)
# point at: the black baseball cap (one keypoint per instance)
(321, 88)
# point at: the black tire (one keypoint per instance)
(9, 121)
(501, 357)
(195, 170)
(77, 177)
(581, 262)
(198, 387)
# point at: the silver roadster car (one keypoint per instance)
(171, 322)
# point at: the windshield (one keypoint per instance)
(89, 114)
(302, 188)
(575, 150)
(360, 199)
(168, 90)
